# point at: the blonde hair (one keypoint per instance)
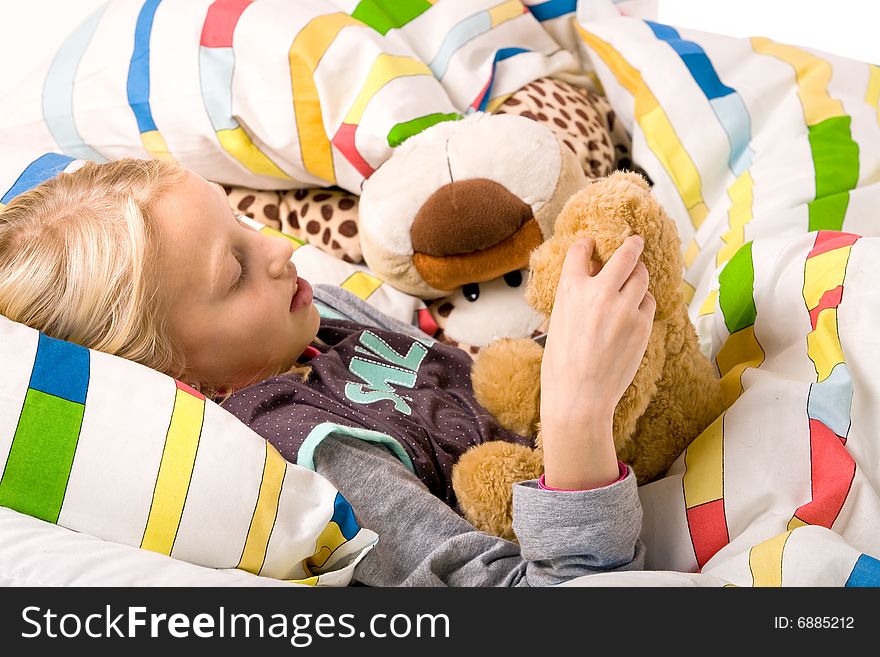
(78, 261)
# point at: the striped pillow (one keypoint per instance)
(111, 448)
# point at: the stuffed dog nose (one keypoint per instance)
(472, 231)
(466, 216)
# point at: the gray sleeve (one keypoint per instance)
(357, 310)
(423, 542)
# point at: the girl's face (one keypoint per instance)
(235, 304)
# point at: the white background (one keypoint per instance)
(850, 28)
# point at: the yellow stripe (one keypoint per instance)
(268, 230)
(361, 284)
(765, 561)
(823, 344)
(824, 272)
(624, 72)
(327, 543)
(708, 306)
(704, 459)
(688, 291)
(691, 253)
(505, 11)
(238, 144)
(385, 68)
(306, 51)
(496, 102)
(795, 522)
(155, 145)
(308, 581)
(263, 521)
(175, 473)
(742, 196)
(872, 96)
(665, 144)
(657, 129)
(813, 75)
(740, 351)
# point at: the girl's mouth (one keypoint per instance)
(302, 298)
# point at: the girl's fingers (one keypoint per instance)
(578, 258)
(623, 261)
(637, 284)
(648, 304)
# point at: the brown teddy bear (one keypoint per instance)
(675, 394)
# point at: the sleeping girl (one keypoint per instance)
(145, 259)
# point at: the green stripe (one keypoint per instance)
(827, 213)
(836, 159)
(41, 456)
(403, 131)
(736, 292)
(385, 15)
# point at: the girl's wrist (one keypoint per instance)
(579, 455)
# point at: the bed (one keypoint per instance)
(766, 155)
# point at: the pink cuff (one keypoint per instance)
(310, 352)
(621, 468)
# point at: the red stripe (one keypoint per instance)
(426, 322)
(195, 393)
(830, 299)
(220, 22)
(708, 528)
(828, 240)
(344, 141)
(832, 470)
(479, 98)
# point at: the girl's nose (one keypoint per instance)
(282, 251)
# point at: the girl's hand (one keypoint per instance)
(596, 339)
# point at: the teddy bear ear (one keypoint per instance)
(633, 177)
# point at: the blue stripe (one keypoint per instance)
(459, 35)
(500, 56)
(735, 119)
(58, 91)
(696, 60)
(61, 369)
(830, 401)
(344, 517)
(44, 167)
(866, 572)
(216, 67)
(139, 70)
(551, 9)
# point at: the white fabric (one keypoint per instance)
(36, 553)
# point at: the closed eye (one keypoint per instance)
(241, 262)
(243, 274)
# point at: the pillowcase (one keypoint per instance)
(36, 553)
(107, 447)
(270, 94)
